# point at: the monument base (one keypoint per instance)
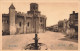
(31, 46)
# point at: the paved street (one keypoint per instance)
(53, 40)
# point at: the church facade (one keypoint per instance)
(21, 23)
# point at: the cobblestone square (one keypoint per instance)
(53, 41)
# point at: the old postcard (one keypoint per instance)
(39, 25)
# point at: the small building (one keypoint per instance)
(63, 25)
(49, 28)
(55, 28)
(60, 26)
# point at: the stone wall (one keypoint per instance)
(28, 25)
(42, 24)
(5, 25)
(19, 24)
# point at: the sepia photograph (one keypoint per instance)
(40, 25)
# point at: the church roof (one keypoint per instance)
(12, 6)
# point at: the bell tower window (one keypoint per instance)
(28, 24)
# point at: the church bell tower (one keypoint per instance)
(12, 19)
(33, 7)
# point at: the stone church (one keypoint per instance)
(22, 23)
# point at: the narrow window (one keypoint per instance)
(7, 21)
(2, 21)
(28, 24)
(40, 20)
(20, 24)
(41, 24)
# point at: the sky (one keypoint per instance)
(54, 10)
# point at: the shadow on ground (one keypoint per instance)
(69, 39)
